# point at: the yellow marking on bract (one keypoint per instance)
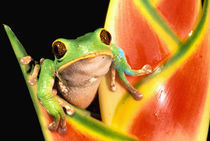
(128, 109)
(85, 129)
(155, 2)
(91, 55)
(93, 133)
(202, 134)
(171, 43)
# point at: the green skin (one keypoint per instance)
(87, 44)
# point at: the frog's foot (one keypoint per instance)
(59, 124)
(134, 93)
(53, 126)
(33, 77)
(56, 111)
(66, 105)
(62, 129)
(147, 69)
(26, 60)
(113, 86)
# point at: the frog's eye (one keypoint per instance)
(105, 37)
(59, 49)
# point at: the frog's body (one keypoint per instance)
(79, 66)
(84, 75)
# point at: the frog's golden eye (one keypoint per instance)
(105, 37)
(59, 49)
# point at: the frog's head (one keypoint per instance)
(68, 51)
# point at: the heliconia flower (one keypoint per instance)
(173, 37)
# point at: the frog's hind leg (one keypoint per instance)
(59, 122)
(61, 125)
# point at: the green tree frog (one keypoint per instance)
(77, 71)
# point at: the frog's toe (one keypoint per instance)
(113, 87)
(26, 60)
(53, 126)
(59, 126)
(62, 130)
(32, 80)
(136, 95)
(70, 111)
(147, 68)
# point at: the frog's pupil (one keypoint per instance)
(56, 49)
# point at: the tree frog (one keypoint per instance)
(77, 71)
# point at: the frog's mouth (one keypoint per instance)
(91, 55)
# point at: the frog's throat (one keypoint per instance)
(91, 55)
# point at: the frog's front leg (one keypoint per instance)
(123, 68)
(47, 97)
(112, 75)
(134, 93)
(33, 77)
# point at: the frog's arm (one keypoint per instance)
(122, 67)
(47, 97)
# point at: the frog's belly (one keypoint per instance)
(81, 80)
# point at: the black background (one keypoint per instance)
(37, 24)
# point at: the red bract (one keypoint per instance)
(172, 36)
